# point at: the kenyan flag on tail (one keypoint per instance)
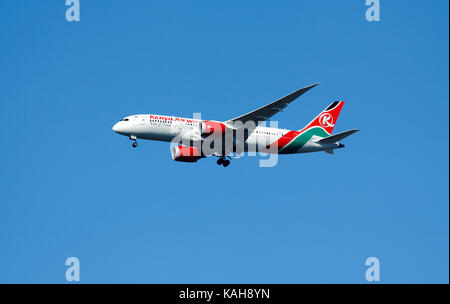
(327, 119)
(321, 126)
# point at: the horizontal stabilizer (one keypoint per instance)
(336, 137)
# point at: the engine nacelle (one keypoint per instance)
(210, 127)
(185, 154)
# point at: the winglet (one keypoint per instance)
(303, 90)
(294, 95)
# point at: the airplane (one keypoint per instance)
(241, 134)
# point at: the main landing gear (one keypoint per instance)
(223, 161)
(133, 138)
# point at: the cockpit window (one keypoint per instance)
(125, 119)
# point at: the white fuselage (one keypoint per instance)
(168, 128)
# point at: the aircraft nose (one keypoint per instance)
(116, 128)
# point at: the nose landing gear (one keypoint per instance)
(133, 138)
(223, 161)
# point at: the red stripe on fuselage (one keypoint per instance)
(285, 139)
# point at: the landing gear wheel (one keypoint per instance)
(133, 138)
(220, 161)
(226, 163)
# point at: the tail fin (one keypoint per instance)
(327, 119)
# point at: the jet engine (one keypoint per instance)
(185, 154)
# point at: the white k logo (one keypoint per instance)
(326, 120)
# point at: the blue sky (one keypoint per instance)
(69, 186)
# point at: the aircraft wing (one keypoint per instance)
(262, 114)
